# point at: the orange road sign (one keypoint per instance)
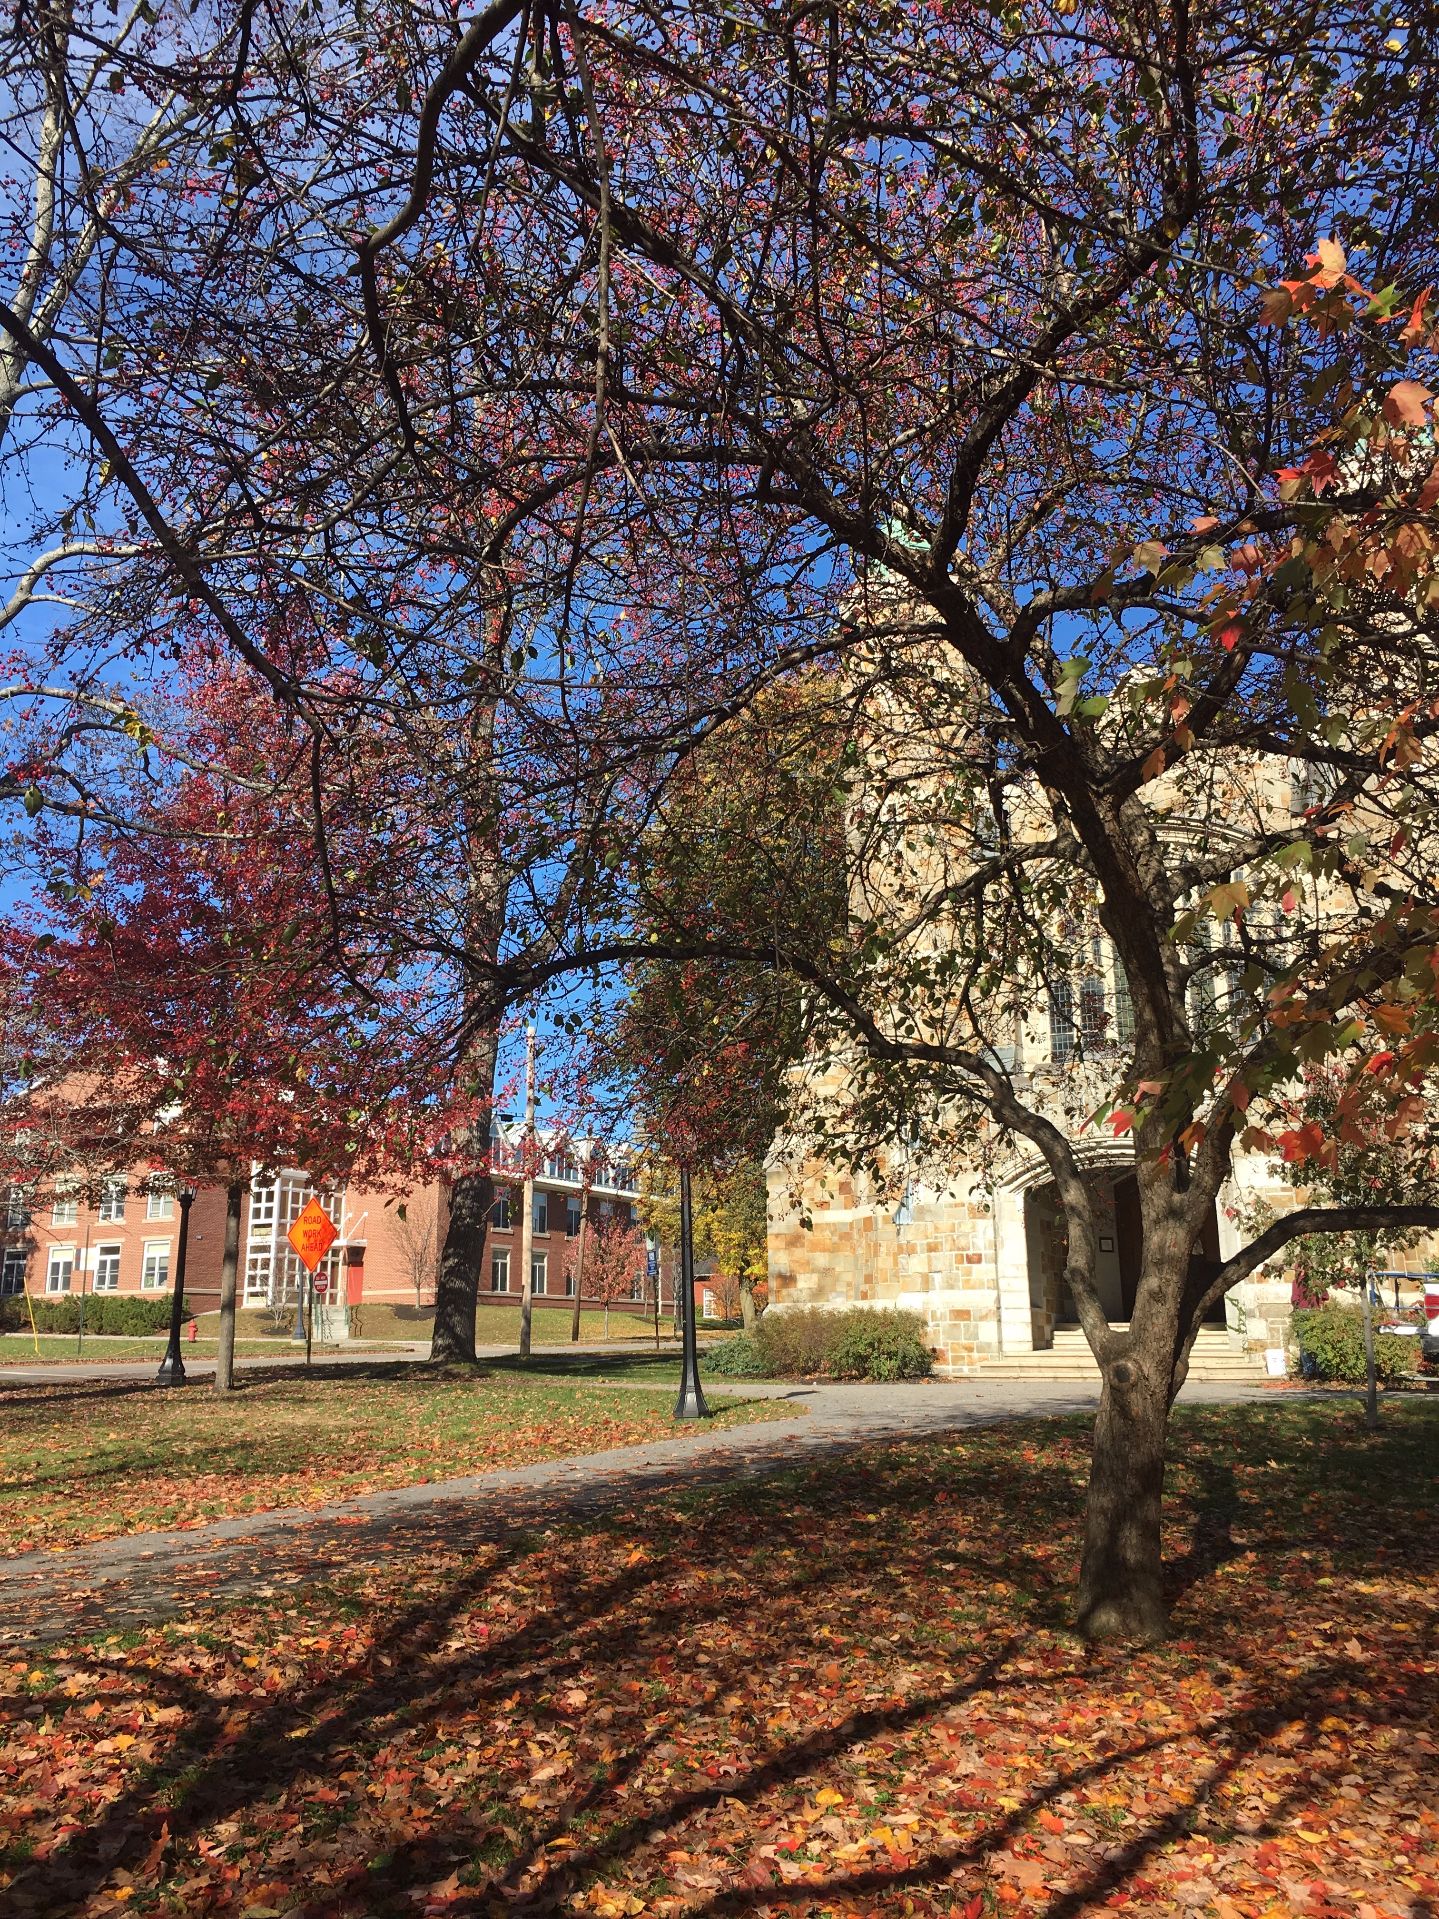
(312, 1235)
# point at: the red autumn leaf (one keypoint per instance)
(1405, 402)
(1416, 326)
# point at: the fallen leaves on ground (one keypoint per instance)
(98, 1459)
(844, 1692)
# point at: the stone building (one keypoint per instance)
(975, 1246)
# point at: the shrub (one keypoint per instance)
(1331, 1338)
(796, 1345)
(741, 1355)
(880, 1346)
(860, 1344)
(125, 1313)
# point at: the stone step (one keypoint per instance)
(1065, 1366)
(1074, 1369)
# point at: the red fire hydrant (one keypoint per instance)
(194, 1329)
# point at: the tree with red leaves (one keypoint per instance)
(1058, 378)
(180, 954)
(614, 1267)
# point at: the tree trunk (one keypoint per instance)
(1121, 1592)
(747, 1312)
(229, 1274)
(461, 1263)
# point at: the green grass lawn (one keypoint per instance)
(845, 1692)
(500, 1325)
(88, 1460)
(64, 1348)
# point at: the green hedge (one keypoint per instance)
(740, 1356)
(129, 1313)
(1332, 1338)
(803, 1345)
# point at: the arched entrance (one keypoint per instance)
(1120, 1256)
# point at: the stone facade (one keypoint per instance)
(980, 1263)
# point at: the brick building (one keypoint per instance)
(121, 1236)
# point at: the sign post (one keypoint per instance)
(310, 1238)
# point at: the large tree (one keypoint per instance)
(1059, 376)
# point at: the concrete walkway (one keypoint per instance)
(149, 1576)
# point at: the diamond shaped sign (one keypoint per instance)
(312, 1235)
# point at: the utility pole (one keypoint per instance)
(527, 1222)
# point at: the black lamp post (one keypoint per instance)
(691, 1402)
(172, 1367)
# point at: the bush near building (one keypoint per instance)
(121, 1313)
(802, 1345)
(1332, 1339)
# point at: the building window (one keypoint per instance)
(572, 1219)
(499, 1272)
(1061, 1020)
(67, 1204)
(107, 1269)
(112, 1202)
(17, 1208)
(542, 1212)
(12, 1272)
(155, 1274)
(262, 1207)
(637, 1283)
(569, 1281)
(500, 1211)
(1093, 1013)
(61, 1266)
(711, 1305)
(539, 1272)
(159, 1199)
(1123, 1007)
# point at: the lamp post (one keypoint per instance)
(172, 1366)
(691, 1402)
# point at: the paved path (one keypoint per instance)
(153, 1575)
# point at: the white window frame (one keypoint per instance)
(709, 1304)
(108, 1254)
(113, 1194)
(12, 1271)
(17, 1209)
(502, 1220)
(65, 1211)
(155, 1251)
(500, 1271)
(60, 1257)
(569, 1281)
(539, 1272)
(542, 1212)
(159, 1199)
(263, 1199)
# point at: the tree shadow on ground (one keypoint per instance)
(821, 1565)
